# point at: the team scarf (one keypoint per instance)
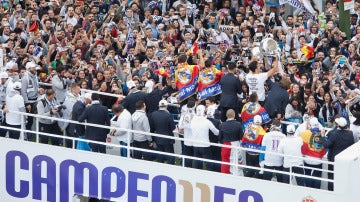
(250, 110)
(303, 5)
(253, 137)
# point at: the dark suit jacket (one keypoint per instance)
(130, 100)
(96, 114)
(230, 86)
(76, 129)
(161, 122)
(152, 99)
(230, 131)
(214, 138)
(277, 100)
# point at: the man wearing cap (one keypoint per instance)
(270, 143)
(305, 125)
(15, 103)
(312, 149)
(161, 122)
(337, 141)
(291, 148)
(30, 91)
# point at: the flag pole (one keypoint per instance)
(344, 19)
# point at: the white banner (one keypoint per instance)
(38, 172)
(304, 6)
(348, 5)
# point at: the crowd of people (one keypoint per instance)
(132, 49)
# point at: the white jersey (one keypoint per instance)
(271, 143)
(291, 146)
(256, 84)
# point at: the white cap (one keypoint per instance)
(210, 111)
(87, 96)
(10, 65)
(163, 103)
(17, 86)
(341, 121)
(4, 75)
(314, 123)
(290, 129)
(306, 117)
(130, 84)
(30, 65)
(356, 90)
(200, 110)
(257, 119)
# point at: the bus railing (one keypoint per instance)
(130, 148)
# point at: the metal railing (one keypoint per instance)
(130, 148)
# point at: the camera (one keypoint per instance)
(115, 77)
(59, 108)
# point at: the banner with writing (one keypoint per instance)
(186, 78)
(209, 82)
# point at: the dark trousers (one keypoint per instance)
(140, 154)
(216, 156)
(30, 119)
(69, 143)
(251, 160)
(189, 151)
(298, 170)
(314, 173)
(224, 110)
(52, 129)
(123, 150)
(98, 147)
(202, 152)
(14, 134)
(268, 175)
(331, 177)
(168, 148)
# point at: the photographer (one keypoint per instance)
(48, 106)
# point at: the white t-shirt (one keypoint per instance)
(271, 141)
(356, 131)
(256, 84)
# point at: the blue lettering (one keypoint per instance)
(220, 193)
(170, 188)
(106, 183)
(133, 191)
(10, 174)
(49, 180)
(78, 179)
(244, 196)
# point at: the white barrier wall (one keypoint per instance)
(32, 172)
